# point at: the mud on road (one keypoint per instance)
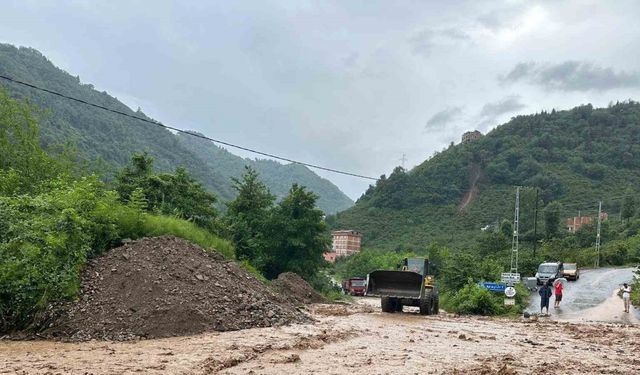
(348, 339)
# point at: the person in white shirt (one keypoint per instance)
(626, 296)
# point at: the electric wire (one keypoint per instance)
(159, 124)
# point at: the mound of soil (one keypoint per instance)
(295, 289)
(166, 286)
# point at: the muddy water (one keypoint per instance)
(352, 339)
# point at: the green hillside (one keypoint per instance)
(108, 140)
(576, 157)
(276, 176)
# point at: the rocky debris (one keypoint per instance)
(166, 286)
(344, 309)
(296, 289)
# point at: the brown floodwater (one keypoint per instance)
(348, 339)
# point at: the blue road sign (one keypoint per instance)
(494, 287)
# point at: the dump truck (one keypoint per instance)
(355, 286)
(413, 285)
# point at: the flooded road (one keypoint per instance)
(348, 339)
(592, 298)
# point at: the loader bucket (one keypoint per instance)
(394, 284)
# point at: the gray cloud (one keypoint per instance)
(443, 117)
(500, 18)
(334, 83)
(425, 41)
(490, 112)
(351, 60)
(454, 34)
(572, 76)
(506, 105)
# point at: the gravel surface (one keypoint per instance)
(296, 289)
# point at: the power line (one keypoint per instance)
(156, 123)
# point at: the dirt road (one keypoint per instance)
(348, 339)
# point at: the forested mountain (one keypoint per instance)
(276, 176)
(576, 157)
(107, 140)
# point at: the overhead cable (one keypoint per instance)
(159, 124)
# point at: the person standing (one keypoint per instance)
(545, 295)
(558, 289)
(626, 296)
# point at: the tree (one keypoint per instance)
(180, 195)
(365, 261)
(628, 206)
(176, 194)
(247, 216)
(506, 228)
(492, 242)
(24, 164)
(134, 176)
(296, 237)
(552, 219)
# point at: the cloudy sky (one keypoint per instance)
(351, 85)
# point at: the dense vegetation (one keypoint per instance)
(107, 141)
(54, 216)
(568, 160)
(277, 177)
(576, 158)
(289, 236)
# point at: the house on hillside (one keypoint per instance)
(574, 223)
(471, 136)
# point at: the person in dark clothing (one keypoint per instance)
(545, 294)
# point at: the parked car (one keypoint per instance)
(549, 271)
(571, 271)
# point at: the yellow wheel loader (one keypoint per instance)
(413, 285)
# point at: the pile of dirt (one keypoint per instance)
(166, 286)
(296, 289)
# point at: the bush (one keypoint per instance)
(44, 242)
(474, 299)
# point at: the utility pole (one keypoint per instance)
(535, 226)
(598, 235)
(514, 242)
(403, 159)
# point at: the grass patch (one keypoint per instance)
(337, 296)
(254, 271)
(153, 225)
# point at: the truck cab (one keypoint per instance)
(355, 286)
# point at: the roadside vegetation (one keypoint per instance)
(458, 269)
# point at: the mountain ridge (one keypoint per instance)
(108, 140)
